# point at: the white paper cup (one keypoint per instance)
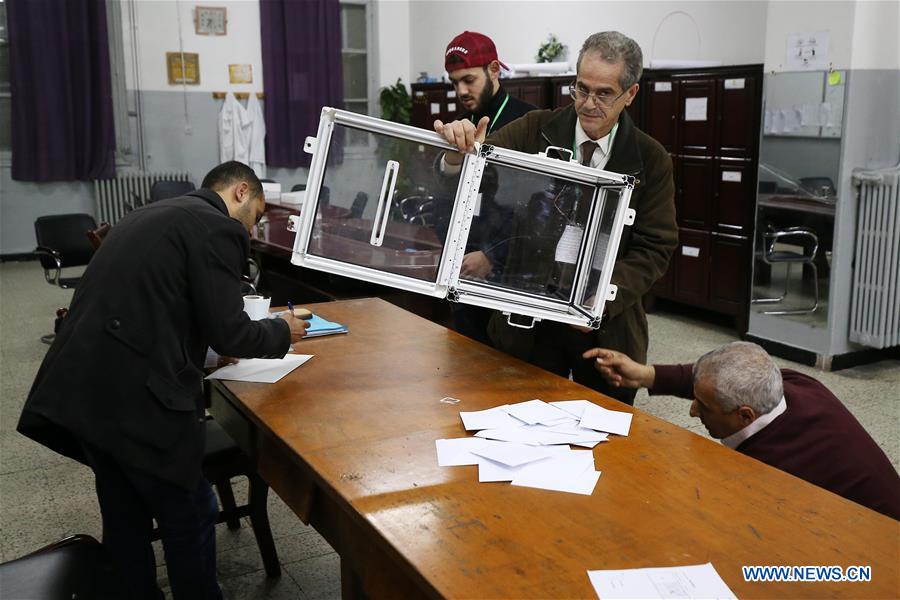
(256, 307)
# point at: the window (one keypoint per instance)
(356, 61)
(5, 95)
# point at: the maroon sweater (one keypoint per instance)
(816, 439)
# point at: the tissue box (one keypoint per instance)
(293, 197)
(272, 191)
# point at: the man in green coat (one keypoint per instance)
(603, 136)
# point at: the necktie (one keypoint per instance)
(587, 151)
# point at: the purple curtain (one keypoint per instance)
(301, 56)
(62, 111)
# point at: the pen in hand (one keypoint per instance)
(291, 307)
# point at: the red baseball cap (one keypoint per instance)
(470, 49)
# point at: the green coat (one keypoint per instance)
(645, 247)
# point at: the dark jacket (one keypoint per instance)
(645, 247)
(514, 109)
(125, 371)
(816, 439)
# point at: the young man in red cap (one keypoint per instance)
(474, 69)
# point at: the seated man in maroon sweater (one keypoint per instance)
(782, 418)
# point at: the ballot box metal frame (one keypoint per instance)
(581, 307)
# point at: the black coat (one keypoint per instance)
(125, 371)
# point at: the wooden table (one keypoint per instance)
(347, 441)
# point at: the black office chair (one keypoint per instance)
(63, 242)
(223, 460)
(298, 187)
(359, 205)
(75, 567)
(163, 190)
(809, 242)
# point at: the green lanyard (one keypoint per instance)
(612, 135)
(497, 116)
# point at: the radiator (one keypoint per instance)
(875, 304)
(115, 197)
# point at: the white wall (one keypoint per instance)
(392, 27)
(875, 35)
(730, 32)
(786, 18)
(157, 32)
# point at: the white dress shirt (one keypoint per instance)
(737, 438)
(604, 145)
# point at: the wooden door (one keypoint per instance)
(692, 267)
(693, 193)
(733, 198)
(661, 112)
(737, 118)
(729, 273)
(697, 117)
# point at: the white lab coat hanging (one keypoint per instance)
(257, 154)
(234, 131)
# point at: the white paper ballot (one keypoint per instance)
(260, 370)
(457, 452)
(492, 418)
(573, 472)
(512, 454)
(573, 407)
(610, 421)
(535, 411)
(489, 470)
(696, 581)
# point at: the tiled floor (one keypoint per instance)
(44, 497)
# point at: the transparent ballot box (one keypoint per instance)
(524, 234)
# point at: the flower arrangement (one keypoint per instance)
(551, 50)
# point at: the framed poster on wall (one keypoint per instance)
(183, 68)
(211, 20)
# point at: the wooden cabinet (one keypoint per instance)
(709, 121)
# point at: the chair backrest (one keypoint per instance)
(298, 187)
(67, 235)
(163, 190)
(359, 205)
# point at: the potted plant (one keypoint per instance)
(551, 50)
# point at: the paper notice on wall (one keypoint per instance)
(826, 117)
(662, 86)
(767, 122)
(791, 119)
(732, 176)
(734, 84)
(435, 108)
(806, 51)
(451, 107)
(692, 251)
(569, 244)
(809, 115)
(451, 94)
(695, 109)
(778, 121)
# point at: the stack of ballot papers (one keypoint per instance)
(260, 370)
(528, 443)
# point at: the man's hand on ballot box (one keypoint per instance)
(463, 134)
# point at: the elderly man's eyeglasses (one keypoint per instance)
(605, 98)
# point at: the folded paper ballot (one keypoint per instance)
(492, 418)
(601, 419)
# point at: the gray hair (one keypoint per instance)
(742, 374)
(614, 47)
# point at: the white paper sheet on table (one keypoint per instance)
(573, 472)
(492, 418)
(535, 411)
(260, 370)
(573, 407)
(690, 582)
(512, 454)
(488, 470)
(457, 452)
(610, 421)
